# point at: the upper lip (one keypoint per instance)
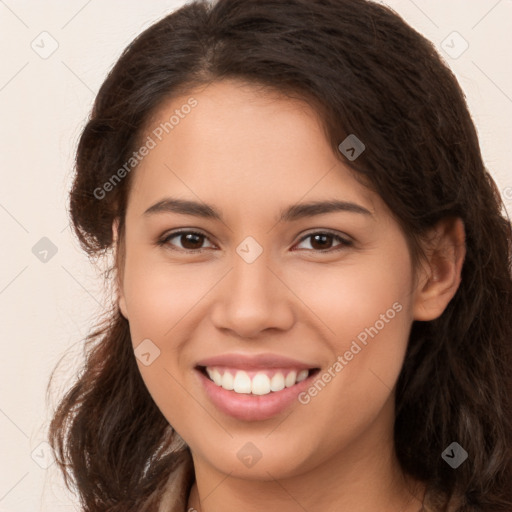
(254, 361)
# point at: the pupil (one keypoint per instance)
(323, 239)
(191, 239)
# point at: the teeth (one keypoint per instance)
(242, 383)
(289, 381)
(227, 381)
(277, 382)
(260, 384)
(214, 375)
(302, 375)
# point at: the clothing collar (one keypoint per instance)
(177, 489)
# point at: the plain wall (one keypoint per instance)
(47, 307)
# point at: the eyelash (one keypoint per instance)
(164, 241)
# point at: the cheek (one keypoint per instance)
(159, 295)
(363, 310)
(158, 298)
(351, 297)
(162, 300)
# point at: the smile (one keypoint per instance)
(260, 382)
(256, 394)
(254, 387)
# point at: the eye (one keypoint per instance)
(189, 240)
(192, 241)
(322, 241)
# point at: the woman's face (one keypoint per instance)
(279, 289)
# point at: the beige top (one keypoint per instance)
(178, 486)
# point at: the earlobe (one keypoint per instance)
(441, 274)
(119, 282)
(122, 307)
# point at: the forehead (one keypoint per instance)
(233, 141)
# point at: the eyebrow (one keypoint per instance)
(292, 213)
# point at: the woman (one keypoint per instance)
(312, 279)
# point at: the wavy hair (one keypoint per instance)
(365, 71)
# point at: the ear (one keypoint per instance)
(119, 270)
(439, 279)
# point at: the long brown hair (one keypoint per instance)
(366, 72)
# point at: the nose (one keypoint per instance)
(252, 298)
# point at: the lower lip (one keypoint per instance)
(248, 407)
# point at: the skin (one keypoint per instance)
(250, 155)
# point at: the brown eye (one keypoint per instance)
(188, 241)
(323, 241)
(191, 241)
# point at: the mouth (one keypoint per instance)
(256, 394)
(256, 382)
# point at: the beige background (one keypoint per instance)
(47, 307)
